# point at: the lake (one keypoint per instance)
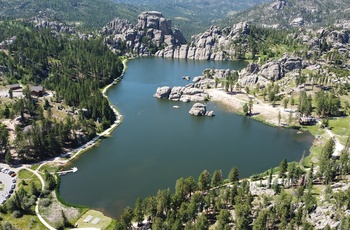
(157, 144)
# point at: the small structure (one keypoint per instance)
(38, 91)
(73, 170)
(305, 120)
(14, 86)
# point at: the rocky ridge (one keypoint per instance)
(296, 13)
(152, 32)
(213, 44)
(59, 27)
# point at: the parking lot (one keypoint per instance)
(8, 184)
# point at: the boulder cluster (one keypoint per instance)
(271, 71)
(199, 109)
(188, 93)
(151, 30)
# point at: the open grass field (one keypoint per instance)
(104, 222)
(341, 128)
(25, 222)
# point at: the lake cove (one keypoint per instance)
(157, 144)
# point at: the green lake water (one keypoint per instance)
(157, 144)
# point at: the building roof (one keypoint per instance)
(37, 88)
(14, 86)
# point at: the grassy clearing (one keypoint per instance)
(34, 167)
(25, 222)
(50, 167)
(341, 128)
(317, 189)
(104, 223)
(26, 177)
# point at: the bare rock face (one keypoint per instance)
(291, 63)
(279, 4)
(341, 37)
(252, 68)
(272, 71)
(297, 22)
(162, 92)
(211, 45)
(198, 109)
(151, 32)
(59, 27)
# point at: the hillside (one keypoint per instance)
(87, 13)
(289, 13)
(194, 16)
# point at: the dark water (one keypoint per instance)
(157, 144)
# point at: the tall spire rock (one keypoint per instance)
(151, 33)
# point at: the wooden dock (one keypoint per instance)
(73, 170)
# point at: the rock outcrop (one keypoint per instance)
(211, 45)
(162, 92)
(279, 4)
(270, 71)
(152, 32)
(186, 93)
(59, 27)
(199, 109)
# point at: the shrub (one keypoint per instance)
(45, 202)
(16, 214)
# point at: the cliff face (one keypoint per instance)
(152, 32)
(153, 35)
(213, 44)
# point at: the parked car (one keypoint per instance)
(14, 180)
(11, 191)
(13, 186)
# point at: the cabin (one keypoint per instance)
(14, 87)
(38, 91)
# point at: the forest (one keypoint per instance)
(75, 70)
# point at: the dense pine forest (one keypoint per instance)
(75, 70)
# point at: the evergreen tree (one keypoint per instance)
(233, 175)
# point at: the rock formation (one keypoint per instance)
(152, 32)
(211, 45)
(59, 27)
(199, 109)
(277, 5)
(270, 71)
(162, 92)
(181, 93)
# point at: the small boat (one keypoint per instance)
(176, 106)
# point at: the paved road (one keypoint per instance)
(338, 147)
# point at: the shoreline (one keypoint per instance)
(262, 112)
(119, 118)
